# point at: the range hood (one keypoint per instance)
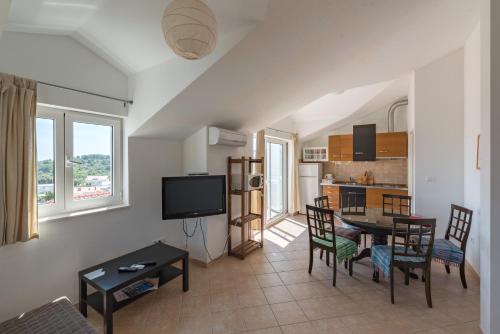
(364, 142)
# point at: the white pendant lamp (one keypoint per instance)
(190, 28)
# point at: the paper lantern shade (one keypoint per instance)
(190, 28)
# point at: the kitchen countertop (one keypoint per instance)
(375, 185)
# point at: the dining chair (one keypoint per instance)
(321, 230)
(414, 251)
(353, 203)
(445, 250)
(350, 233)
(396, 205)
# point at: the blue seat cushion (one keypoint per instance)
(445, 251)
(381, 257)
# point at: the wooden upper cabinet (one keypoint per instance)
(346, 147)
(334, 148)
(392, 145)
(340, 148)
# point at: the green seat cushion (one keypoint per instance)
(346, 248)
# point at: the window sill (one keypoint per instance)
(83, 212)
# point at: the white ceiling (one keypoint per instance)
(127, 33)
(304, 50)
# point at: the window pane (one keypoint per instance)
(45, 161)
(92, 150)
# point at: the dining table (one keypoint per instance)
(372, 222)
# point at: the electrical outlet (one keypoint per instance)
(160, 240)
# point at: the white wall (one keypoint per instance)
(195, 152)
(489, 231)
(41, 270)
(4, 13)
(472, 128)
(439, 138)
(201, 157)
(153, 88)
(62, 61)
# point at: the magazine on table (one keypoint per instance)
(136, 289)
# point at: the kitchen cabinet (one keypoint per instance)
(346, 147)
(374, 196)
(392, 145)
(340, 148)
(334, 148)
(333, 193)
(388, 145)
(364, 138)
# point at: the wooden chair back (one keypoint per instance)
(459, 225)
(353, 203)
(322, 202)
(396, 205)
(408, 237)
(319, 223)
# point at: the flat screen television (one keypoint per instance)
(193, 196)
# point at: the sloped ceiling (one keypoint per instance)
(304, 50)
(127, 33)
(337, 109)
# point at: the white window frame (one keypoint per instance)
(58, 128)
(63, 142)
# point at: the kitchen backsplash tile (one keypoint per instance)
(394, 171)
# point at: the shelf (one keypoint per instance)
(95, 300)
(239, 191)
(245, 248)
(245, 219)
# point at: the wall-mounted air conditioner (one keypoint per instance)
(218, 136)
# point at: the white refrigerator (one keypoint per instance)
(310, 175)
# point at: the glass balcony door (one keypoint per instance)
(276, 179)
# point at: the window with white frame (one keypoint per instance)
(78, 161)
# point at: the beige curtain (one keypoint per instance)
(18, 203)
(259, 153)
(294, 191)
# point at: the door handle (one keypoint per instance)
(358, 153)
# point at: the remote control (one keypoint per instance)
(127, 269)
(147, 263)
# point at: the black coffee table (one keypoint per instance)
(103, 301)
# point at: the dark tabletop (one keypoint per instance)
(160, 253)
(374, 222)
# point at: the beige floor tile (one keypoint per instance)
(288, 313)
(228, 322)
(223, 301)
(262, 268)
(259, 317)
(267, 280)
(272, 330)
(197, 304)
(305, 327)
(296, 276)
(303, 290)
(277, 294)
(195, 324)
(253, 297)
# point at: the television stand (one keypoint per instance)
(103, 300)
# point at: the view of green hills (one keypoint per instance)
(91, 164)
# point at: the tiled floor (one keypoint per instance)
(271, 293)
